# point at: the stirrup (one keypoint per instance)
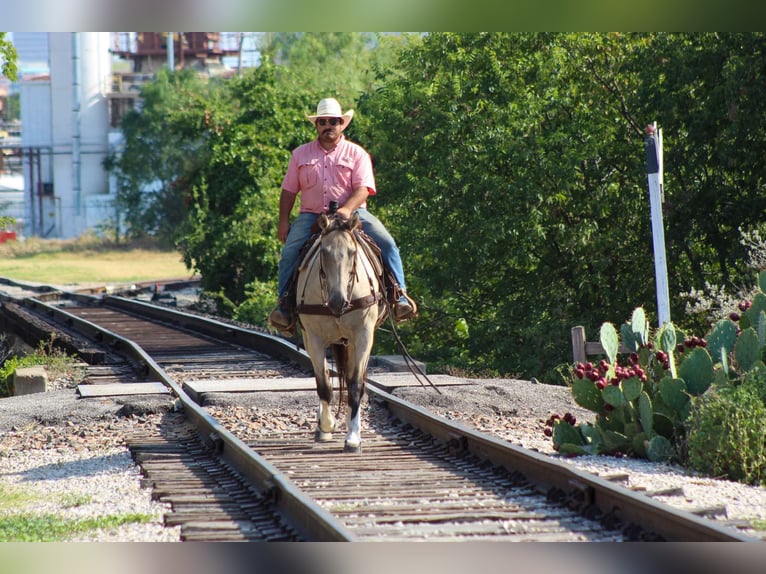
(406, 309)
(282, 321)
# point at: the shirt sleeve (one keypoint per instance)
(290, 182)
(363, 174)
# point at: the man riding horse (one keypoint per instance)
(330, 169)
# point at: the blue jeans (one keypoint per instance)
(300, 231)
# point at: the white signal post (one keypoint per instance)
(653, 143)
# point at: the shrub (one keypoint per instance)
(642, 405)
(725, 431)
(261, 298)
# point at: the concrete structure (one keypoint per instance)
(29, 380)
(70, 117)
(65, 132)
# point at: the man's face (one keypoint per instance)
(329, 129)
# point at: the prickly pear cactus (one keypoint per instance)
(643, 398)
(635, 334)
(761, 328)
(610, 342)
(723, 336)
(697, 371)
(748, 349)
(666, 341)
(674, 394)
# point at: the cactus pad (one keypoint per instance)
(697, 371)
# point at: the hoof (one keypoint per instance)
(348, 447)
(320, 436)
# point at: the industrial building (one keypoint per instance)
(70, 120)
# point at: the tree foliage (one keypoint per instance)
(329, 64)
(510, 169)
(708, 91)
(163, 143)
(504, 174)
(229, 234)
(8, 57)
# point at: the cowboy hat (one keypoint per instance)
(330, 108)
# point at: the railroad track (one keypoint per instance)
(419, 477)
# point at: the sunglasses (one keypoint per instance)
(331, 121)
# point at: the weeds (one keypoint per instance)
(19, 525)
(52, 528)
(58, 365)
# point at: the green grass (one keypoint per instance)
(88, 260)
(18, 524)
(56, 362)
(49, 528)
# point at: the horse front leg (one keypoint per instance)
(325, 418)
(353, 416)
(358, 356)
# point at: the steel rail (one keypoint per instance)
(591, 491)
(303, 514)
(627, 506)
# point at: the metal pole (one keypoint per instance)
(654, 167)
(76, 131)
(171, 52)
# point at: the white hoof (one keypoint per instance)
(320, 436)
(352, 447)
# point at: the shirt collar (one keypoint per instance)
(340, 141)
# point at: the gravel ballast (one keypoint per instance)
(61, 449)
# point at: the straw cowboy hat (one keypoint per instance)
(330, 108)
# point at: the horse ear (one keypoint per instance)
(354, 221)
(323, 221)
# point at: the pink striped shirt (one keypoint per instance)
(322, 176)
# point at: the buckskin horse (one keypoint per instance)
(340, 303)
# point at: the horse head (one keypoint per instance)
(338, 260)
(329, 223)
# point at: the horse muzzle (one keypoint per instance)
(338, 305)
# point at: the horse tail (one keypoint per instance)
(339, 353)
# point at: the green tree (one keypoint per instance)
(708, 93)
(9, 58)
(164, 141)
(229, 235)
(331, 64)
(513, 180)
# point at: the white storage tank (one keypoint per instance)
(77, 198)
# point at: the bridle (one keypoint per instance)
(375, 296)
(352, 276)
